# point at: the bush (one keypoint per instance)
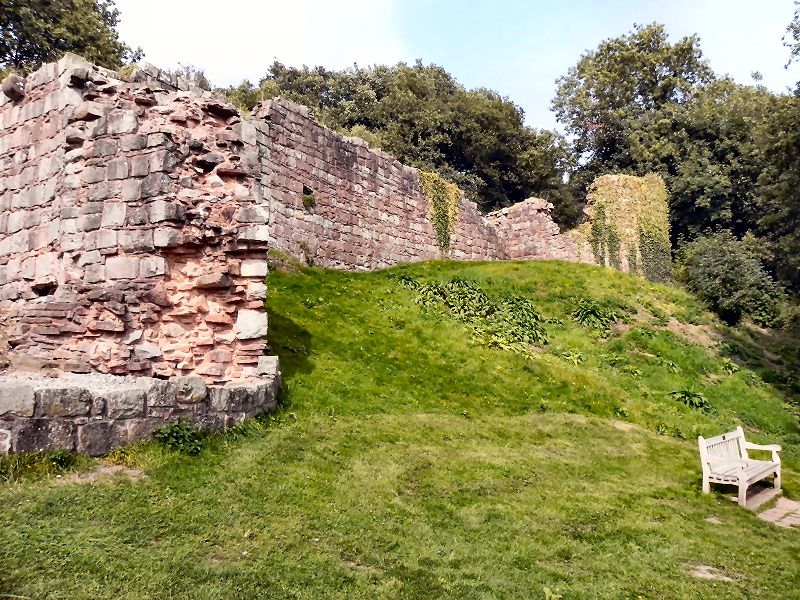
(181, 436)
(594, 315)
(727, 274)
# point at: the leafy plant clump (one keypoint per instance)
(443, 200)
(594, 315)
(691, 398)
(727, 274)
(511, 323)
(181, 436)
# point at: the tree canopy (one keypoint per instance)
(40, 31)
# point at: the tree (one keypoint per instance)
(779, 190)
(792, 37)
(613, 87)
(40, 31)
(726, 273)
(709, 152)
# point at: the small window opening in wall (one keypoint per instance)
(309, 200)
(44, 288)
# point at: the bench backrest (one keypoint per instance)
(727, 446)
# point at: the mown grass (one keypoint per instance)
(409, 462)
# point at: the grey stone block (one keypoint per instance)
(35, 435)
(125, 404)
(64, 401)
(16, 400)
(190, 390)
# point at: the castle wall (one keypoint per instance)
(135, 217)
(133, 230)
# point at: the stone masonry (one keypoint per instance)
(135, 217)
(369, 211)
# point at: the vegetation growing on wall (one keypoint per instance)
(627, 225)
(443, 200)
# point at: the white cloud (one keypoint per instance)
(236, 39)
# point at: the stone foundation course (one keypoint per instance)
(95, 413)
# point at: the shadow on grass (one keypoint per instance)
(773, 354)
(292, 344)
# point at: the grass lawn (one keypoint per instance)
(409, 461)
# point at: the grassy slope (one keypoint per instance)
(409, 463)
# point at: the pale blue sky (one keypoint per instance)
(515, 47)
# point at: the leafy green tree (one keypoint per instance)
(39, 31)
(709, 152)
(727, 274)
(611, 88)
(779, 190)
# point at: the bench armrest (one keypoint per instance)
(770, 447)
(774, 448)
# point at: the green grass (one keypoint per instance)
(409, 462)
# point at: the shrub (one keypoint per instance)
(181, 436)
(594, 315)
(727, 274)
(691, 398)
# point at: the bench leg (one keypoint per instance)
(777, 482)
(706, 486)
(742, 495)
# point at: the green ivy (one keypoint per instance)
(597, 236)
(443, 200)
(613, 243)
(632, 252)
(656, 256)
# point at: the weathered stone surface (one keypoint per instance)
(125, 403)
(16, 400)
(64, 401)
(251, 324)
(190, 390)
(13, 87)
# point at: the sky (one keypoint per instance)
(515, 47)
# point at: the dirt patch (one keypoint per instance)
(701, 335)
(103, 474)
(707, 572)
(623, 425)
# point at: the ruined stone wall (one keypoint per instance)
(133, 230)
(528, 231)
(367, 209)
(135, 217)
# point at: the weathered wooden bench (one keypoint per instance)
(725, 460)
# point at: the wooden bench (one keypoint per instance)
(725, 460)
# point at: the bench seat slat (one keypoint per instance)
(732, 470)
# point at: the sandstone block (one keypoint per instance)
(14, 87)
(254, 268)
(64, 401)
(97, 438)
(251, 324)
(125, 403)
(122, 121)
(122, 267)
(155, 184)
(253, 214)
(161, 210)
(16, 400)
(152, 266)
(35, 435)
(190, 390)
(254, 233)
(114, 214)
(118, 168)
(147, 350)
(166, 237)
(5, 441)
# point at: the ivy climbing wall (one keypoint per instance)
(626, 226)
